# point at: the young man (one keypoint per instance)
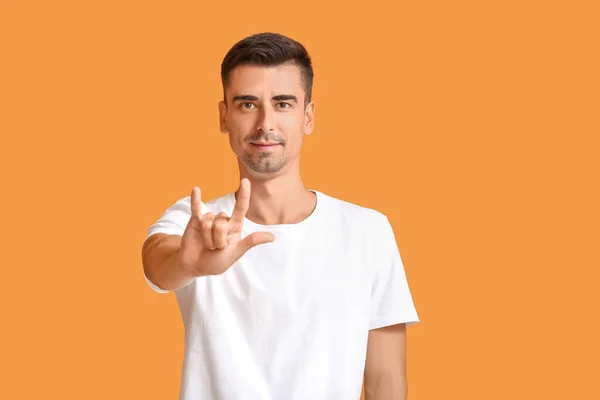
(286, 293)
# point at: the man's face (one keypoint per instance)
(265, 116)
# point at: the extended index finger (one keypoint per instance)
(196, 203)
(242, 202)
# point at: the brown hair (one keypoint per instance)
(269, 50)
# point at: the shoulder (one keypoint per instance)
(353, 213)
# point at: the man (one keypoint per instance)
(285, 293)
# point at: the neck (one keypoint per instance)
(279, 199)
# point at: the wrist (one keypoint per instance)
(187, 269)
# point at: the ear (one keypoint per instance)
(222, 115)
(309, 118)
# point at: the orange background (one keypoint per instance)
(473, 125)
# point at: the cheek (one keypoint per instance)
(240, 122)
(292, 122)
(293, 129)
(239, 127)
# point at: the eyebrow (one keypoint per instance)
(280, 97)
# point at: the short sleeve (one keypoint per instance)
(173, 221)
(391, 299)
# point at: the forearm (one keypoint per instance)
(386, 388)
(161, 264)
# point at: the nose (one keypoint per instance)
(265, 120)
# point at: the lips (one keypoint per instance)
(265, 146)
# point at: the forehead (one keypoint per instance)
(257, 80)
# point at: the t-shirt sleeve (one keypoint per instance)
(173, 221)
(391, 299)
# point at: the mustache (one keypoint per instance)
(270, 138)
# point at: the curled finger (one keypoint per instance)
(219, 231)
(206, 227)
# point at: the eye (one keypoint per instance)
(287, 105)
(247, 106)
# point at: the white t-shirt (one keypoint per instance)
(290, 319)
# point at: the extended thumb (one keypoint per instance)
(253, 239)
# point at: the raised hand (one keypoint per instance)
(212, 243)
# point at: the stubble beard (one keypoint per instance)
(264, 162)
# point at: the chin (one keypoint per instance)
(265, 168)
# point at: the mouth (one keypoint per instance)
(265, 146)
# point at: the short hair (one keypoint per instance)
(269, 49)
